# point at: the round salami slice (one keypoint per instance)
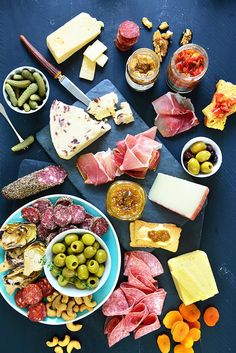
(42, 232)
(129, 30)
(51, 236)
(45, 286)
(124, 41)
(37, 312)
(154, 301)
(116, 304)
(122, 47)
(140, 281)
(133, 295)
(47, 219)
(134, 318)
(150, 260)
(134, 261)
(149, 324)
(78, 214)
(117, 334)
(70, 226)
(62, 216)
(32, 294)
(19, 299)
(31, 214)
(99, 226)
(64, 200)
(111, 323)
(51, 176)
(86, 224)
(42, 205)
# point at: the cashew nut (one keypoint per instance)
(57, 302)
(76, 308)
(52, 343)
(58, 349)
(82, 307)
(51, 297)
(78, 300)
(74, 327)
(65, 342)
(70, 306)
(50, 312)
(61, 307)
(65, 299)
(73, 345)
(87, 302)
(68, 317)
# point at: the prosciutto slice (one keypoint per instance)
(175, 114)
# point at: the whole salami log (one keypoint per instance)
(34, 183)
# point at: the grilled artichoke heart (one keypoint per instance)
(16, 279)
(33, 258)
(17, 235)
(13, 258)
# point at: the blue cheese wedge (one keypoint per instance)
(124, 115)
(103, 107)
(72, 129)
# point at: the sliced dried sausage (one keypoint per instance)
(47, 219)
(19, 299)
(77, 213)
(32, 294)
(45, 286)
(99, 226)
(31, 214)
(62, 216)
(37, 312)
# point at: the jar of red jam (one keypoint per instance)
(186, 68)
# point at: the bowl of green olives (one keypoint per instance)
(77, 262)
(26, 89)
(201, 157)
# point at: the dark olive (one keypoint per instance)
(209, 147)
(188, 155)
(213, 159)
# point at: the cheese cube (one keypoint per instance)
(87, 70)
(95, 50)
(124, 115)
(178, 195)
(101, 60)
(73, 35)
(103, 107)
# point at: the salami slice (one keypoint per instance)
(42, 205)
(129, 30)
(86, 224)
(135, 262)
(42, 232)
(140, 282)
(134, 318)
(64, 200)
(122, 47)
(149, 324)
(99, 226)
(117, 334)
(31, 214)
(37, 312)
(45, 286)
(62, 216)
(77, 213)
(19, 299)
(116, 304)
(150, 260)
(70, 226)
(111, 323)
(47, 219)
(154, 301)
(32, 294)
(133, 295)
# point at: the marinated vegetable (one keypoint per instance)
(17, 235)
(24, 144)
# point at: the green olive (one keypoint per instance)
(101, 256)
(100, 271)
(72, 262)
(69, 251)
(203, 156)
(82, 272)
(89, 252)
(81, 258)
(62, 281)
(79, 284)
(206, 167)
(58, 248)
(67, 273)
(77, 246)
(197, 147)
(55, 271)
(93, 266)
(60, 260)
(69, 238)
(92, 281)
(88, 239)
(96, 245)
(193, 166)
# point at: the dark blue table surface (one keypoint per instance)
(213, 25)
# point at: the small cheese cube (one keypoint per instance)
(87, 70)
(124, 115)
(95, 50)
(101, 60)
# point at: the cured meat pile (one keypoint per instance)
(137, 303)
(134, 156)
(175, 114)
(127, 35)
(64, 215)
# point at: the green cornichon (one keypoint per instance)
(39, 80)
(23, 145)
(26, 107)
(11, 94)
(17, 77)
(20, 84)
(28, 75)
(33, 87)
(35, 97)
(33, 104)
(17, 92)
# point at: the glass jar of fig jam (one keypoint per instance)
(186, 68)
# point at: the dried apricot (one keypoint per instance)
(195, 333)
(188, 341)
(180, 331)
(171, 317)
(190, 312)
(195, 324)
(163, 343)
(180, 348)
(211, 316)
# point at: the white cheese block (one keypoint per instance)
(72, 129)
(73, 35)
(124, 115)
(87, 70)
(102, 60)
(95, 50)
(103, 107)
(179, 195)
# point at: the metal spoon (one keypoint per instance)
(3, 112)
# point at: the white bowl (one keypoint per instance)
(214, 146)
(70, 289)
(10, 76)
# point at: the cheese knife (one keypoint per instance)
(55, 72)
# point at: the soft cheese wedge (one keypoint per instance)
(181, 196)
(72, 129)
(73, 35)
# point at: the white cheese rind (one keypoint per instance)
(103, 107)
(124, 115)
(95, 50)
(87, 70)
(72, 129)
(72, 36)
(102, 60)
(181, 196)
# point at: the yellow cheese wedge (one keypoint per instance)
(184, 295)
(87, 70)
(95, 50)
(73, 35)
(102, 60)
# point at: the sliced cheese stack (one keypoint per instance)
(181, 196)
(73, 35)
(193, 277)
(93, 55)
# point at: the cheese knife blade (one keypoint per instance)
(55, 72)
